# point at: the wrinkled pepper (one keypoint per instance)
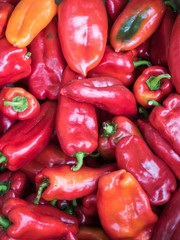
(5, 123)
(112, 132)
(166, 119)
(5, 12)
(43, 220)
(28, 18)
(91, 233)
(26, 139)
(62, 183)
(47, 63)
(154, 84)
(160, 146)
(106, 93)
(82, 27)
(76, 124)
(15, 63)
(138, 21)
(18, 103)
(123, 206)
(157, 180)
(115, 7)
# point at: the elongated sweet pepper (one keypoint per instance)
(44, 220)
(106, 93)
(82, 27)
(5, 12)
(111, 133)
(157, 180)
(18, 103)
(62, 183)
(47, 63)
(15, 62)
(166, 119)
(26, 139)
(76, 124)
(136, 23)
(115, 7)
(28, 18)
(130, 213)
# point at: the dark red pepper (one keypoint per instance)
(115, 7)
(5, 12)
(5, 123)
(143, 50)
(92, 233)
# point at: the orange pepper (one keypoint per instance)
(28, 19)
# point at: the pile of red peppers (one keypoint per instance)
(89, 120)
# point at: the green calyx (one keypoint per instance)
(142, 63)
(154, 82)
(153, 102)
(80, 156)
(171, 4)
(108, 129)
(5, 222)
(19, 103)
(3, 159)
(44, 184)
(4, 187)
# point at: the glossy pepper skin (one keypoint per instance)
(112, 132)
(44, 220)
(5, 123)
(82, 27)
(17, 103)
(71, 184)
(161, 39)
(12, 185)
(13, 2)
(168, 225)
(166, 119)
(138, 21)
(15, 63)
(115, 7)
(48, 63)
(76, 124)
(26, 139)
(129, 214)
(106, 93)
(91, 233)
(157, 180)
(28, 19)
(143, 50)
(174, 54)
(160, 146)
(5, 12)
(153, 84)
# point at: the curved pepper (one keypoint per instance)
(115, 7)
(133, 155)
(83, 27)
(138, 21)
(112, 132)
(153, 84)
(5, 12)
(26, 139)
(106, 93)
(27, 19)
(48, 63)
(18, 103)
(123, 206)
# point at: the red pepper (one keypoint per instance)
(62, 183)
(76, 124)
(153, 84)
(161, 38)
(15, 62)
(160, 146)
(88, 205)
(115, 7)
(174, 54)
(47, 63)
(91, 233)
(138, 21)
(133, 155)
(166, 119)
(26, 139)
(123, 206)
(5, 123)
(43, 220)
(5, 12)
(143, 50)
(106, 93)
(112, 132)
(18, 103)
(12, 185)
(82, 27)
(13, 2)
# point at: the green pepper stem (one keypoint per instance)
(108, 129)
(3, 159)
(94, 155)
(53, 202)
(28, 55)
(171, 4)
(5, 223)
(153, 102)
(80, 156)
(74, 203)
(43, 185)
(154, 82)
(12, 104)
(141, 63)
(19, 103)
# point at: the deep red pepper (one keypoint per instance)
(5, 12)
(89, 205)
(18, 103)
(92, 233)
(160, 146)
(157, 180)
(143, 50)
(153, 84)
(106, 93)
(44, 220)
(48, 63)
(26, 139)
(15, 63)
(115, 7)
(13, 2)
(174, 54)
(5, 123)
(76, 124)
